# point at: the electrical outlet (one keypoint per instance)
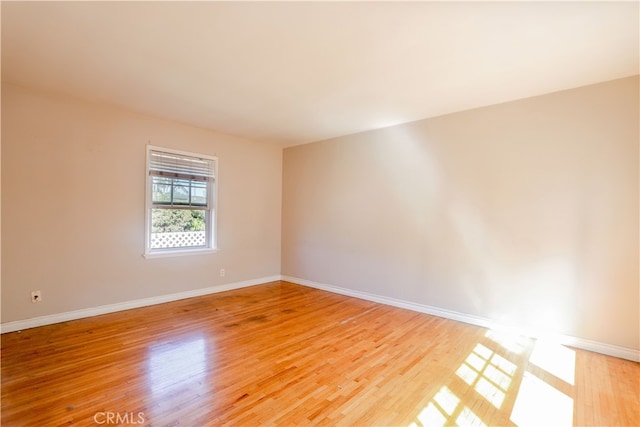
(36, 296)
(222, 272)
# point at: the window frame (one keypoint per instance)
(210, 213)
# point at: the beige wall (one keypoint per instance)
(524, 212)
(73, 188)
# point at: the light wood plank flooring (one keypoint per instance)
(283, 354)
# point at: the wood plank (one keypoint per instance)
(283, 354)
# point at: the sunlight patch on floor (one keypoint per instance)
(447, 400)
(556, 359)
(493, 377)
(430, 416)
(468, 419)
(437, 412)
(443, 408)
(539, 404)
(488, 373)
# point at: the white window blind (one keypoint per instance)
(180, 166)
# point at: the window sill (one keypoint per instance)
(179, 252)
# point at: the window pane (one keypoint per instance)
(199, 193)
(181, 191)
(161, 189)
(178, 228)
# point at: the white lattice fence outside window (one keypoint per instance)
(178, 239)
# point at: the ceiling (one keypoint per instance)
(296, 72)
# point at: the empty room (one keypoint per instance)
(320, 213)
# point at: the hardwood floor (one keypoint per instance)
(283, 354)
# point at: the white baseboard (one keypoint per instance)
(585, 344)
(19, 325)
(581, 343)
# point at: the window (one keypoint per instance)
(181, 190)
